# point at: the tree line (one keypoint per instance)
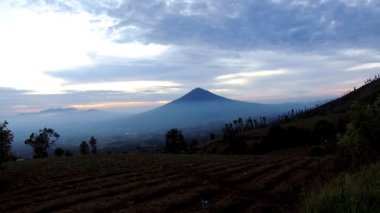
(40, 142)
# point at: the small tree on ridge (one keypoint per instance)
(6, 139)
(42, 141)
(92, 143)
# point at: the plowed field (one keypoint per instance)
(162, 183)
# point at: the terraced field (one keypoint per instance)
(162, 183)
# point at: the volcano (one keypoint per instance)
(199, 107)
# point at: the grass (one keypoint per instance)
(357, 192)
(310, 122)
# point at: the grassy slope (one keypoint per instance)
(358, 192)
(365, 95)
(333, 111)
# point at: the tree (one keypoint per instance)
(361, 139)
(6, 139)
(241, 125)
(59, 152)
(236, 145)
(193, 145)
(42, 141)
(175, 142)
(276, 138)
(249, 124)
(212, 136)
(84, 148)
(325, 133)
(93, 145)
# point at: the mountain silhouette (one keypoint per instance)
(199, 107)
(199, 95)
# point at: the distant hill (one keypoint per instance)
(199, 107)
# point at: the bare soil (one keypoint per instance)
(164, 183)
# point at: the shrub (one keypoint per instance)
(84, 148)
(59, 152)
(352, 193)
(174, 141)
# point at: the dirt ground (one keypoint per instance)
(164, 183)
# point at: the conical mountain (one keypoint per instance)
(198, 107)
(199, 95)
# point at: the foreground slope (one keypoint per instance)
(162, 183)
(366, 94)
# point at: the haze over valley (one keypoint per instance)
(199, 112)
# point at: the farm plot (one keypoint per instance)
(162, 183)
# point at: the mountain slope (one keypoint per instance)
(200, 107)
(199, 95)
(366, 94)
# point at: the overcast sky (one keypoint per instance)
(134, 54)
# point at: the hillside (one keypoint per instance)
(366, 94)
(303, 124)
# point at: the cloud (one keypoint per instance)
(252, 74)
(124, 86)
(18, 101)
(365, 66)
(59, 53)
(36, 40)
(253, 24)
(125, 104)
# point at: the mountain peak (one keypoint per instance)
(199, 95)
(198, 90)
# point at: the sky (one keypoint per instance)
(132, 55)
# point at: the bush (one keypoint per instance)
(175, 141)
(59, 152)
(84, 149)
(280, 138)
(275, 139)
(360, 142)
(358, 192)
(324, 133)
(236, 145)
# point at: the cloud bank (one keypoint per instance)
(119, 51)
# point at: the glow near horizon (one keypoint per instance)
(107, 105)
